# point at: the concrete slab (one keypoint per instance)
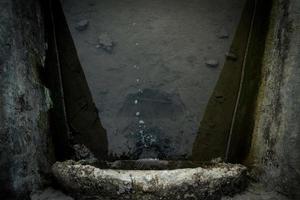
(207, 182)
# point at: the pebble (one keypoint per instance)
(82, 25)
(212, 63)
(137, 113)
(223, 34)
(141, 122)
(105, 42)
(231, 56)
(136, 101)
(220, 99)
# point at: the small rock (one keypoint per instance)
(105, 42)
(219, 98)
(212, 63)
(223, 34)
(137, 113)
(82, 25)
(231, 56)
(136, 101)
(141, 122)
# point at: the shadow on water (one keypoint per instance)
(226, 128)
(74, 115)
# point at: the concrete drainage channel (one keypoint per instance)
(80, 135)
(27, 161)
(91, 177)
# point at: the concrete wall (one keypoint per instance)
(276, 141)
(25, 143)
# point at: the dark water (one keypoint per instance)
(146, 66)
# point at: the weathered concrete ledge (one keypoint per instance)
(88, 182)
(275, 148)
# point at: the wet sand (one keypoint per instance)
(152, 87)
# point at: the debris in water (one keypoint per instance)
(219, 98)
(212, 63)
(137, 67)
(82, 25)
(223, 34)
(231, 56)
(105, 42)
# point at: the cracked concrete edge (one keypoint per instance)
(275, 150)
(212, 182)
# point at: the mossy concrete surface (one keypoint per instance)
(275, 150)
(211, 182)
(25, 142)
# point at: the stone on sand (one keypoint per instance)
(82, 25)
(105, 42)
(212, 63)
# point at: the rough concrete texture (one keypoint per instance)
(88, 182)
(257, 192)
(49, 194)
(25, 147)
(275, 147)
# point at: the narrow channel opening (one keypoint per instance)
(173, 82)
